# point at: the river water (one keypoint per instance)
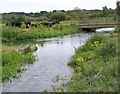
(50, 70)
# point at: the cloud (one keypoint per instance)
(49, 5)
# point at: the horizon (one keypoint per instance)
(45, 10)
(28, 6)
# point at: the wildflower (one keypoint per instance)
(80, 59)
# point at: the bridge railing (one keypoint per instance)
(100, 20)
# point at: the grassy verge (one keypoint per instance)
(95, 66)
(12, 33)
(12, 63)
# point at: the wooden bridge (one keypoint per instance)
(102, 25)
(92, 27)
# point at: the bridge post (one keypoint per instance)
(118, 10)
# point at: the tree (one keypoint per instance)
(20, 19)
(105, 11)
(58, 16)
(12, 18)
(54, 10)
(62, 10)
(43, 12)
(118, 10)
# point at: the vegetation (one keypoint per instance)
(58, 16)
(67, 19)
(13, 33)
(118, 10)
(12, 63)
(95, 65)
(75, 14)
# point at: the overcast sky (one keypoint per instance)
(50, 5)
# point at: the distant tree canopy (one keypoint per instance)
(43, 12)
(20, 19)
(105, 11)
(62, 15)
(118, 10)
(94, 15)
(58, 16)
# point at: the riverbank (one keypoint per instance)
(95, 66)
(11, 34)
(50, 69)
(12, 62)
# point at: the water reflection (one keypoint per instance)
(105, 30)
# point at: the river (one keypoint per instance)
(50, 70)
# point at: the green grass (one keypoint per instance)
(13, 33)
(95, 66)
(12, 63)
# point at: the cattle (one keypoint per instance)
(7, 24)
(16, 24)
(49, 24)
(27, 23)
(56, 22)
(35, 25)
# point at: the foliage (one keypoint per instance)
(118, 10)
(12, 62)
(108, 51)
(95, 70)
(12, 34)
(105, 11)
(58, 16)
(20, 19)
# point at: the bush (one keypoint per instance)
(58, 16)
(107, 51)
(20, 19)
(12, 62)
(97, 37)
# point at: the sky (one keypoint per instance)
(50, 5)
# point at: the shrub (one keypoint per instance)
(12, 62)
(58, 16)
(97, 37)
(107, 51)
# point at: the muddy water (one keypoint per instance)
(50, 70)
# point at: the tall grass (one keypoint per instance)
(10, 33)
(12, 62)
(95, 66)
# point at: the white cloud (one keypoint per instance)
(49, 5)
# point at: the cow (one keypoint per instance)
(16, 24)
(55, 22)
(47, 24)
(7, 24)
(27, 23)
(35, 25)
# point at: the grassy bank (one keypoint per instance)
(12, 62)
(13, 33)
(95, 66)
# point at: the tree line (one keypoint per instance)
(61, 15)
